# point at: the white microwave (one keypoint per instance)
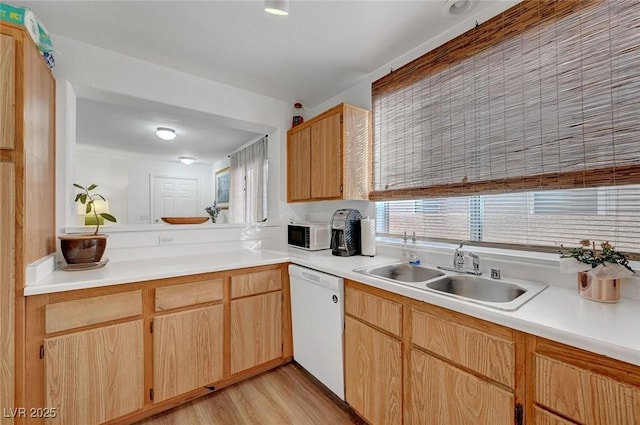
(310, 236)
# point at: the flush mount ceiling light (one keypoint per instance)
(166, 133)
(455, 8)
(277, 7)
(187, 160)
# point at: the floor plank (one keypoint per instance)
(280, 397)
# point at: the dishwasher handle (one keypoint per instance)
(311, 276)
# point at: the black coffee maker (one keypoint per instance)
(345, 232)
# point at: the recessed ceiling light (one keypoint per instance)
(187, 160)
(166, 133)
(277, 7)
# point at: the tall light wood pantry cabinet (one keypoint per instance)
(27, 195)
(328, 156)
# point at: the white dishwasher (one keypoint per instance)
(317, 315)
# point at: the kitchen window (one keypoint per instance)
(602, 214)
(521, 131)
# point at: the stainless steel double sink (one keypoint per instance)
(502, 294)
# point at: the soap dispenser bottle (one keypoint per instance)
(404, 254)
(413, 254)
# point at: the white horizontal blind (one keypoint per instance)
(544, 96)
(543, 218)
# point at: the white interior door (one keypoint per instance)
(174, 197)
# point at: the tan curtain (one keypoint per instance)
(543, 96)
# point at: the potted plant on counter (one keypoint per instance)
(86, 248)
(599, 272)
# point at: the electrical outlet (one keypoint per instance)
(144, 218)
(307, 217)
(165, 240)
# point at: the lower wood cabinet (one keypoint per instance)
(413, 363)
(187, 351)
(575, 386)
(408, 362)
(373, 373)
(444, 394)
(96, 375)
(256, 331)
(118, 354)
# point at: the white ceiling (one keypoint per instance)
(319, 50)
(122, 126)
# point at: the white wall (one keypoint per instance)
(111, 174)
(82, 67)
(360, 95)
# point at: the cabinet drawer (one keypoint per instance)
(490, 355)
(175, 296)
(583, 395)
(255, 283)
(90, 311)
(372, 309)
(542, 417)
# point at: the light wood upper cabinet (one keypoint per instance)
(187, 351)
(373, 373)
(335, 165)
(299, 165)
(443, 394)
(96, 375)
(326, 144)
(256, 330)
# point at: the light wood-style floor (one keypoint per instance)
(285, 396)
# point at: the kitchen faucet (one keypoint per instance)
(458, 261)
(458, 257)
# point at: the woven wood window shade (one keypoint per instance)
(543, 96)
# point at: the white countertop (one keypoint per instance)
(121, 272)
(557, 313)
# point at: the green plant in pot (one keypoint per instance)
(87, 248)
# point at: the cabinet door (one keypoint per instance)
(585, 396)
(373, 373)
(298, 166)
(187, 351)
(7, 285)
(94, 376)
(326, 157)
(256, 330)
(7, 90)
(444, 394)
